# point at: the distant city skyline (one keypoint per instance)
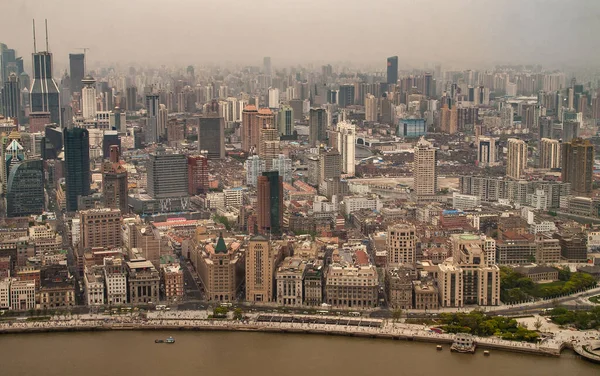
(457, 34)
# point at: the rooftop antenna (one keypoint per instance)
(34, 47)
(46, 22)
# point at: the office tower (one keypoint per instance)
(424, 170)
(269, 203)
(12, 153)
(152, 107)
(506, 116)
(76, 71)
(346, 144)
(44, 94)
(261, 261)
(486, 151)
(25, 189)
(249, 123)
(254, 166)
(273, 98)
(88, 97)
(429, 85)
(11, 98)
(211, 136)
(401, 244)
(346, 96)
(162, 119)
(286, 120)
(481, 95)
(8, 63)
(546, 124)
(101, 228)
(167, 174)
(197, 174)
(317, 129)
(77, 165)
(330, 164)
(371, 108)
(283, 165)
(578, 165)
(131, 98)
(411, 128)
(392, 70)
(449, 119)
(110, 138)
(217, 264)
(114, 182)
(516, 158)
(550, 155)
(118, 120)
(268, 147)
(267, 65)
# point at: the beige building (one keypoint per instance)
(217, 266)
(401, 244)
(550, 154)
(57, 289)
(22, 295)
(101, 228)
(459, 241)
(468, 279)
(313, 284)
(426, 296)
(516, 158)
(399, 286)
(547, 249)
(350, 281)
(289, 277)
(93, 279)
(262, 258)
(424, 170)
(371, 105)
(143, 281)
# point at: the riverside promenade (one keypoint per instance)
(199, 320)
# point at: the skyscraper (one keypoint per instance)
(346, 145)
(11, 97)
(346, 95)
(88, 97)
(401, 244)
(392, 70)
(267, 65)
(516, 158)
(249, 123)
(211, 136)
(152, 107)
(197, 174)
(286, 120)
(486, 151)
(578, 165)
(268, 146)
(425, 170)
(167, 175)
(270, 203)
(101, 228)
(114, 182)
(44, 94)
(317, 126)
(25, 188)
(131, 98)
(254, 166)
(261, 261)
(76, 71)
(273, 97)
(77, 165)
(371, 108)
(550, 156)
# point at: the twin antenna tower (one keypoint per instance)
(34, 44)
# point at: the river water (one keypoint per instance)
(134, 353)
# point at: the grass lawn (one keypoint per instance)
(595, 299)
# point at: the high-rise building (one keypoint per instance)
(425, 170)
(88, 97)
(401, 244)
(346, 95)
(286, 120)
(217, 264)
(449, 119)
(8, 62)
(273, 97)
(152, 107)
(317, 126)
(131, 98)
(267, 65)
(11, 97)
(392, 70)
(249, 124)
(262, 258)
(25, 188)
(114, 182)
(549, 153)
(197, 174)
(167, 175)
(161, 120)
(371, 108)
(330, 164)
(211, 136)
(270, 203)
(283, 165)
(254, 166)
(346, 145)
(578, 165)
(486, 151)
(44, 94)
(76, 71)
(77, 165)
(516, 158)
(101, 228)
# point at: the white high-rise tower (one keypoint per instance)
(88, 97)
(346, 141)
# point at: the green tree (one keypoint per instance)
(397, 315)
(237, 314)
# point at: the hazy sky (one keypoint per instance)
(456, 33)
